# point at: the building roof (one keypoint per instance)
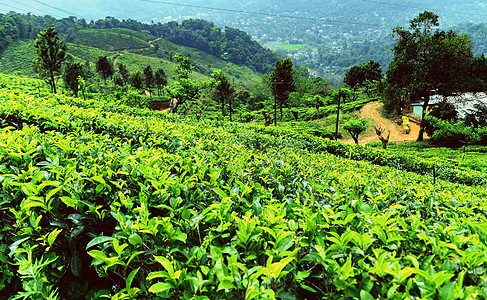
(464, 103)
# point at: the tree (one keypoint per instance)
(136, 80)
(184, 89)
(104, 67)
(124, 73)
(427, 60)
(70, 76)
(149, 78)
(355, 127)
(452, 134)
(223, 90)
(160, 80)
(361, 76)
(282, 82)
(51, 53)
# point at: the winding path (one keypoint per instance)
(372, 111)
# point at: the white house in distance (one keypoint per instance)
(464, 103)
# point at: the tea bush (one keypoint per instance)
(139, 204)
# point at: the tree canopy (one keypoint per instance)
(282, 81)
(51, 53)
(427, 59)
(104, 67)
(359, 75)
(223, 90)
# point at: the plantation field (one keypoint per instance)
(147, 205)
(140, 35)
(475, 157)
(81, 53)
(206, 63)
(23, 83)
(109, 40)
(138, 62)
(18, 58)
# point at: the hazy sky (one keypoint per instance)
(165, 10)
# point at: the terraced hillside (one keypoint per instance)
(134, 52)
(147, 205)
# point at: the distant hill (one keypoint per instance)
(18, 56)
(110, 34)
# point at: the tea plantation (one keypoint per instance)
(105, 201)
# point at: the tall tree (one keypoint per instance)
(149, 78)
(51, 53)
(124, 73)
(360, 76)
(137, 79)
(71, 73)
(427, 59)
(104, 67)
(160, 80)
(282, 81)
(223, 91)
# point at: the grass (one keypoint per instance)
(301, 48)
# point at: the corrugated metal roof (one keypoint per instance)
(464, 103)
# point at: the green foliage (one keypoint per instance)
(281, 81)
(144, 204)
(355, 127)
(71, 73)
(51, 53)
(136, 79)
(223, 91)
(164, 214)
(149, 78)
(358, 76)
(427, 59)
(444, 110)
(160, 79)
(184, 89)
(104, 67)
(450, 132)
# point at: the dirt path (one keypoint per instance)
(151, 41)
(372, 111)
(114, 60)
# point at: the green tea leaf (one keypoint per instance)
(98, 240)
(160, 287)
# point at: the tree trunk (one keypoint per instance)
(280, 108)
(53, 83)
(355, 138)
(230, 108)
(223, 107)
(421, 126)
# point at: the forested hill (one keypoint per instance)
(230, 44)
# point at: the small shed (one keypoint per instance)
(464, 103)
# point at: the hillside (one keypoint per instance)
(147, 204)
(110, 34)
(16, 58)
(328, 36)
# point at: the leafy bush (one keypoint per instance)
(125, 203)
